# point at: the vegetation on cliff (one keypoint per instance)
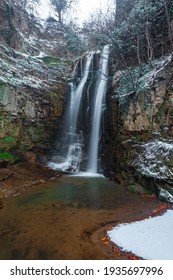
(139, 30)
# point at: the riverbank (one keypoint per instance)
(21, 177)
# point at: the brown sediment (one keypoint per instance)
(23, 176)
(72, 229)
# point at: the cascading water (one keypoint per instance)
(86, 106)
(74, 138)
(99, 104)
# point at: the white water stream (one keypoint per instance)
(97, 114)
(74, 137)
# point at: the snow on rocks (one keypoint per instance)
(155, 160)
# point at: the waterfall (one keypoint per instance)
(76, 96)
(73, 136)
(86, 104)
(99, 104)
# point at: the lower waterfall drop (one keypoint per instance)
(98, 110)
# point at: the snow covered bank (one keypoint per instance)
(150, 239)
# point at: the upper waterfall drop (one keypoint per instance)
(85, 106)
(97, 114)
(74, 138)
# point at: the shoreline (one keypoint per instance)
(22, 177)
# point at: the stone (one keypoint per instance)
(30, 157)
(3, 164)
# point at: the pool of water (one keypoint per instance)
(56, 220)
(73, 191)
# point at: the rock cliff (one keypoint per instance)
(34, 68)
(140, 134)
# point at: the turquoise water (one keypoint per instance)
(94, 193)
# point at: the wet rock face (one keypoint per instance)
(31, 101)
(149, 106)
(28, 116)
(141, 129)
(32, 81)
(26, 33)
(15, 25)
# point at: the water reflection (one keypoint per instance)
(55, 221)
(96, 193)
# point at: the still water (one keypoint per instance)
(63, 219)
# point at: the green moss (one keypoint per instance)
(171, 112)
(6, 155)
(1, 84)
(9, 131)
(68, 61)
(51, 60)
(55, 61)
(8, 140)
(2, 87)
(132, 189)
(139, 189)
(149, 192)
(159, 115)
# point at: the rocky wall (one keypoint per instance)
(141, 128)
(31, 102)
(28, 117)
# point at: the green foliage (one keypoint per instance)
(170, 112)
(159, 115)
(1, 90)
(68, 61)
(6, 155)
(74, 42)
(51, 60)
(139, 189)
(148, 192)
(146, 23)
(55, 61)
(132, 189)
(8, 140)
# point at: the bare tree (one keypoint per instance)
(170, 36)
(61, 6)
(149, 42)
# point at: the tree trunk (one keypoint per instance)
(138, 50)
(168, 23)
(60, 17)
(149, 42)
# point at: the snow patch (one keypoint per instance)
(150, 239)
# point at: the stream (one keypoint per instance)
(66, 219)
